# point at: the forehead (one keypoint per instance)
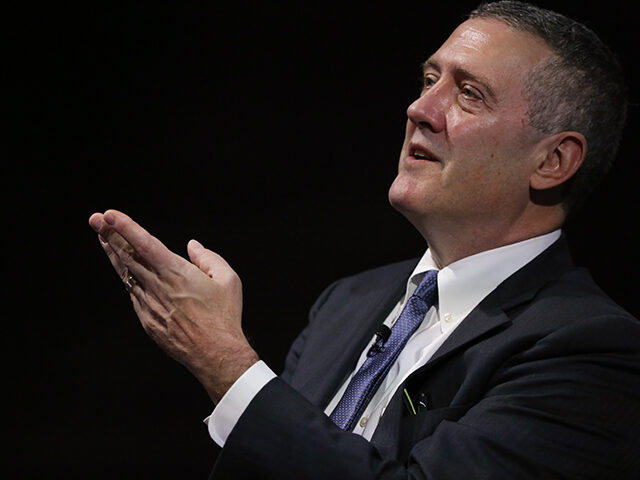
(493, 50)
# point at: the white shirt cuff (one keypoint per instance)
(233, 404)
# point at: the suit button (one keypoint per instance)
(363, 421)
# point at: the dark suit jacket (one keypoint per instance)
(541, 380)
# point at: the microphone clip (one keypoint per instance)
(382, 335)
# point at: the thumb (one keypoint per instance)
(196, 252)
(209, 262)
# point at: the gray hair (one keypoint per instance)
(579, 88)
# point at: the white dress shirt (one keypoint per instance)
(462, 285)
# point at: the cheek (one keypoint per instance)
(486, 147)
(486, 167)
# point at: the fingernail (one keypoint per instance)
(196, 243)
(110, 218)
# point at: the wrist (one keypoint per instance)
(220, 374)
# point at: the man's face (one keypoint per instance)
(469, 150)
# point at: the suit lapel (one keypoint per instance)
(518, 288)
(334, 352)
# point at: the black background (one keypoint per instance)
(268, 132)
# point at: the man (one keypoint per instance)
(492, 356)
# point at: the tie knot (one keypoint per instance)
(428, 288)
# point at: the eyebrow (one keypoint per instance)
(459, 71)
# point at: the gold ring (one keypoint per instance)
(130, 282)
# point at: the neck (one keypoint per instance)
(453, 241)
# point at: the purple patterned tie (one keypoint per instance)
(368, 378)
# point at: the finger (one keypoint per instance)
(95, 221)
(126, 276)
(151, 250)
(125, 252)
(121, 255)
(108, 236)
(145, 253)
(118, 266)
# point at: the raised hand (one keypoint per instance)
(192, 310)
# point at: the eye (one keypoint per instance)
(470, 93)
(428, 80)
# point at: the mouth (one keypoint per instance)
(420, 153)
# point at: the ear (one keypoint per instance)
(561, 156)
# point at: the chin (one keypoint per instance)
(404, 191)
(403, 196)
(411, 199)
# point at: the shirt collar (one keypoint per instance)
(463, 284)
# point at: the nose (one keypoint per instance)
(429, 109)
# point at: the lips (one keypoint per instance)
(419, 152)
